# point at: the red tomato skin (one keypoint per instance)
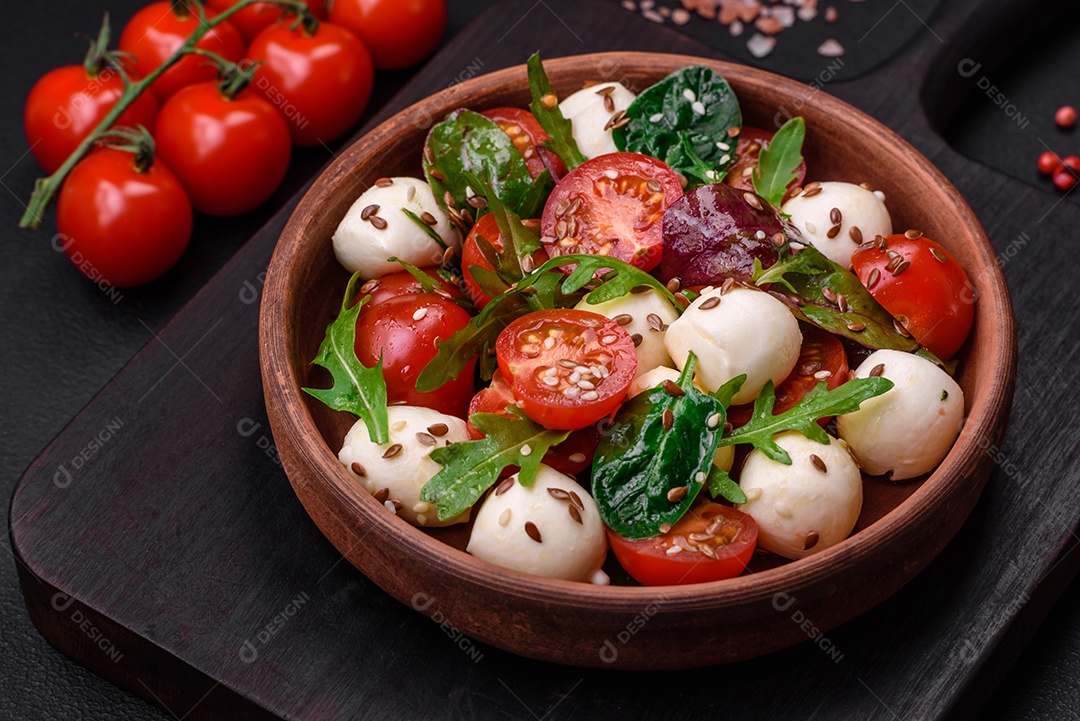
(66, 104)
(156, 32)
(936, 298)
(403, 283)
(529, 140)
(399, 33)
(616, 216)
(229, 154)
(488, 228)
(254, 18)
(321, 83)
(647, 561)
(407, 344)
(120, 225)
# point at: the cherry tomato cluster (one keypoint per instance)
(223, 118)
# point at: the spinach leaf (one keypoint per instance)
(777, 163)
(665, 122)
(357, 389)
(653, 461)
(811, 277)
(803, 417)
(545, 107)
(468, 142)
(471, 467)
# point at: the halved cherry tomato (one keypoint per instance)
(732, 539)
(528, 137)
(540, 354)
(488, 229)
(821, 352)
(159, 29)
(572, 456)
(751, 142)
(393, 285)
(612, 205)
(251, 20)
(406, 330)
(923, 287)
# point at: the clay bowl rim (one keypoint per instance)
(985, 412)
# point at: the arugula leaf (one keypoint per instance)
(808, 274)
(778, 161)
(803, 417)
(626, 277)
(720, 484)
(425, 227)
(429, 284)
(639, 461)
(469, 468)
(468, 142)
(357, 389)
(549, 115)
(726, 392)
(663, 123)
(532, 205)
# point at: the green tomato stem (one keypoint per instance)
(45, 189)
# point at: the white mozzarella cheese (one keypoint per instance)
(801, 509)
(907, 431)
(589, 117)
(551, 528)
(417, 431)
(649, 316)
(362, 245)
(855, 206)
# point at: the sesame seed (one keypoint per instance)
(358, 469)
(609, 339)
(689, 95)
(589, 396)
(722, 146)
(421, 507)
(812, 539)
(577, 458)
(677, 494)
(392, 451)
(419, 313)
(611, 173)
(533, 532)
(410, 193)
(504, 517)
(877, 371)
(760, 235)
(698, 107)
(733, 131)
(390, 506)
(551, 381)
(752, 200)
(879, 195)
(811, 192)
(818, 463)
(429, 154)
(713, 420)
(699, 477)
(708, 551)
(653, 185)
(822, 375)
(673, 550)
(665, 528)
(436, 173)
(656, 117)
(810, 228)
(585, 385)
(549, 100)
(571, 391)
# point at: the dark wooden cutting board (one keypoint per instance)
(160, 544)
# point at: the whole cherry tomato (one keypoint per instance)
(120, 220)
(159, 29)
(399, 33)
(251, 20)
(68, 102)
(230, 153)
(319, 78)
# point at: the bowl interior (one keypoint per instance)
(841, 144)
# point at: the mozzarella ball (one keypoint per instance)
(793, 503)
(857, 208)
(529, 529)
(910, 429)
(361, 246)
(748, 331)
(651, 352)
(402, 475)
(588, 117)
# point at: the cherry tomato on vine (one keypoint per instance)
(572, 456)
(923, 287)
(751, 142)
(821, 353)
(158, 30)
(488, 229)
(399, 33)
(319, 80)
(230, 153)
(731, 539)
(121, 224)
(612, 205)
(68, 102)
(406, 330)
(528, 137)
(251, 20)
(542, 355)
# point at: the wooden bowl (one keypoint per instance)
(902, 527)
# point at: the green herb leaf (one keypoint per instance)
(551, 119)
(807, 274)
(777, 162)
(803, 417)
(639, 461)
(468, 142)
(664, 124)
(469, 468)
(721, 485)
(726, 392)
(532, 205)
(357, 389)
(425, 227)
(430, 285)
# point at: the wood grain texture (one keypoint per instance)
(213, 545)
(575, 623)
